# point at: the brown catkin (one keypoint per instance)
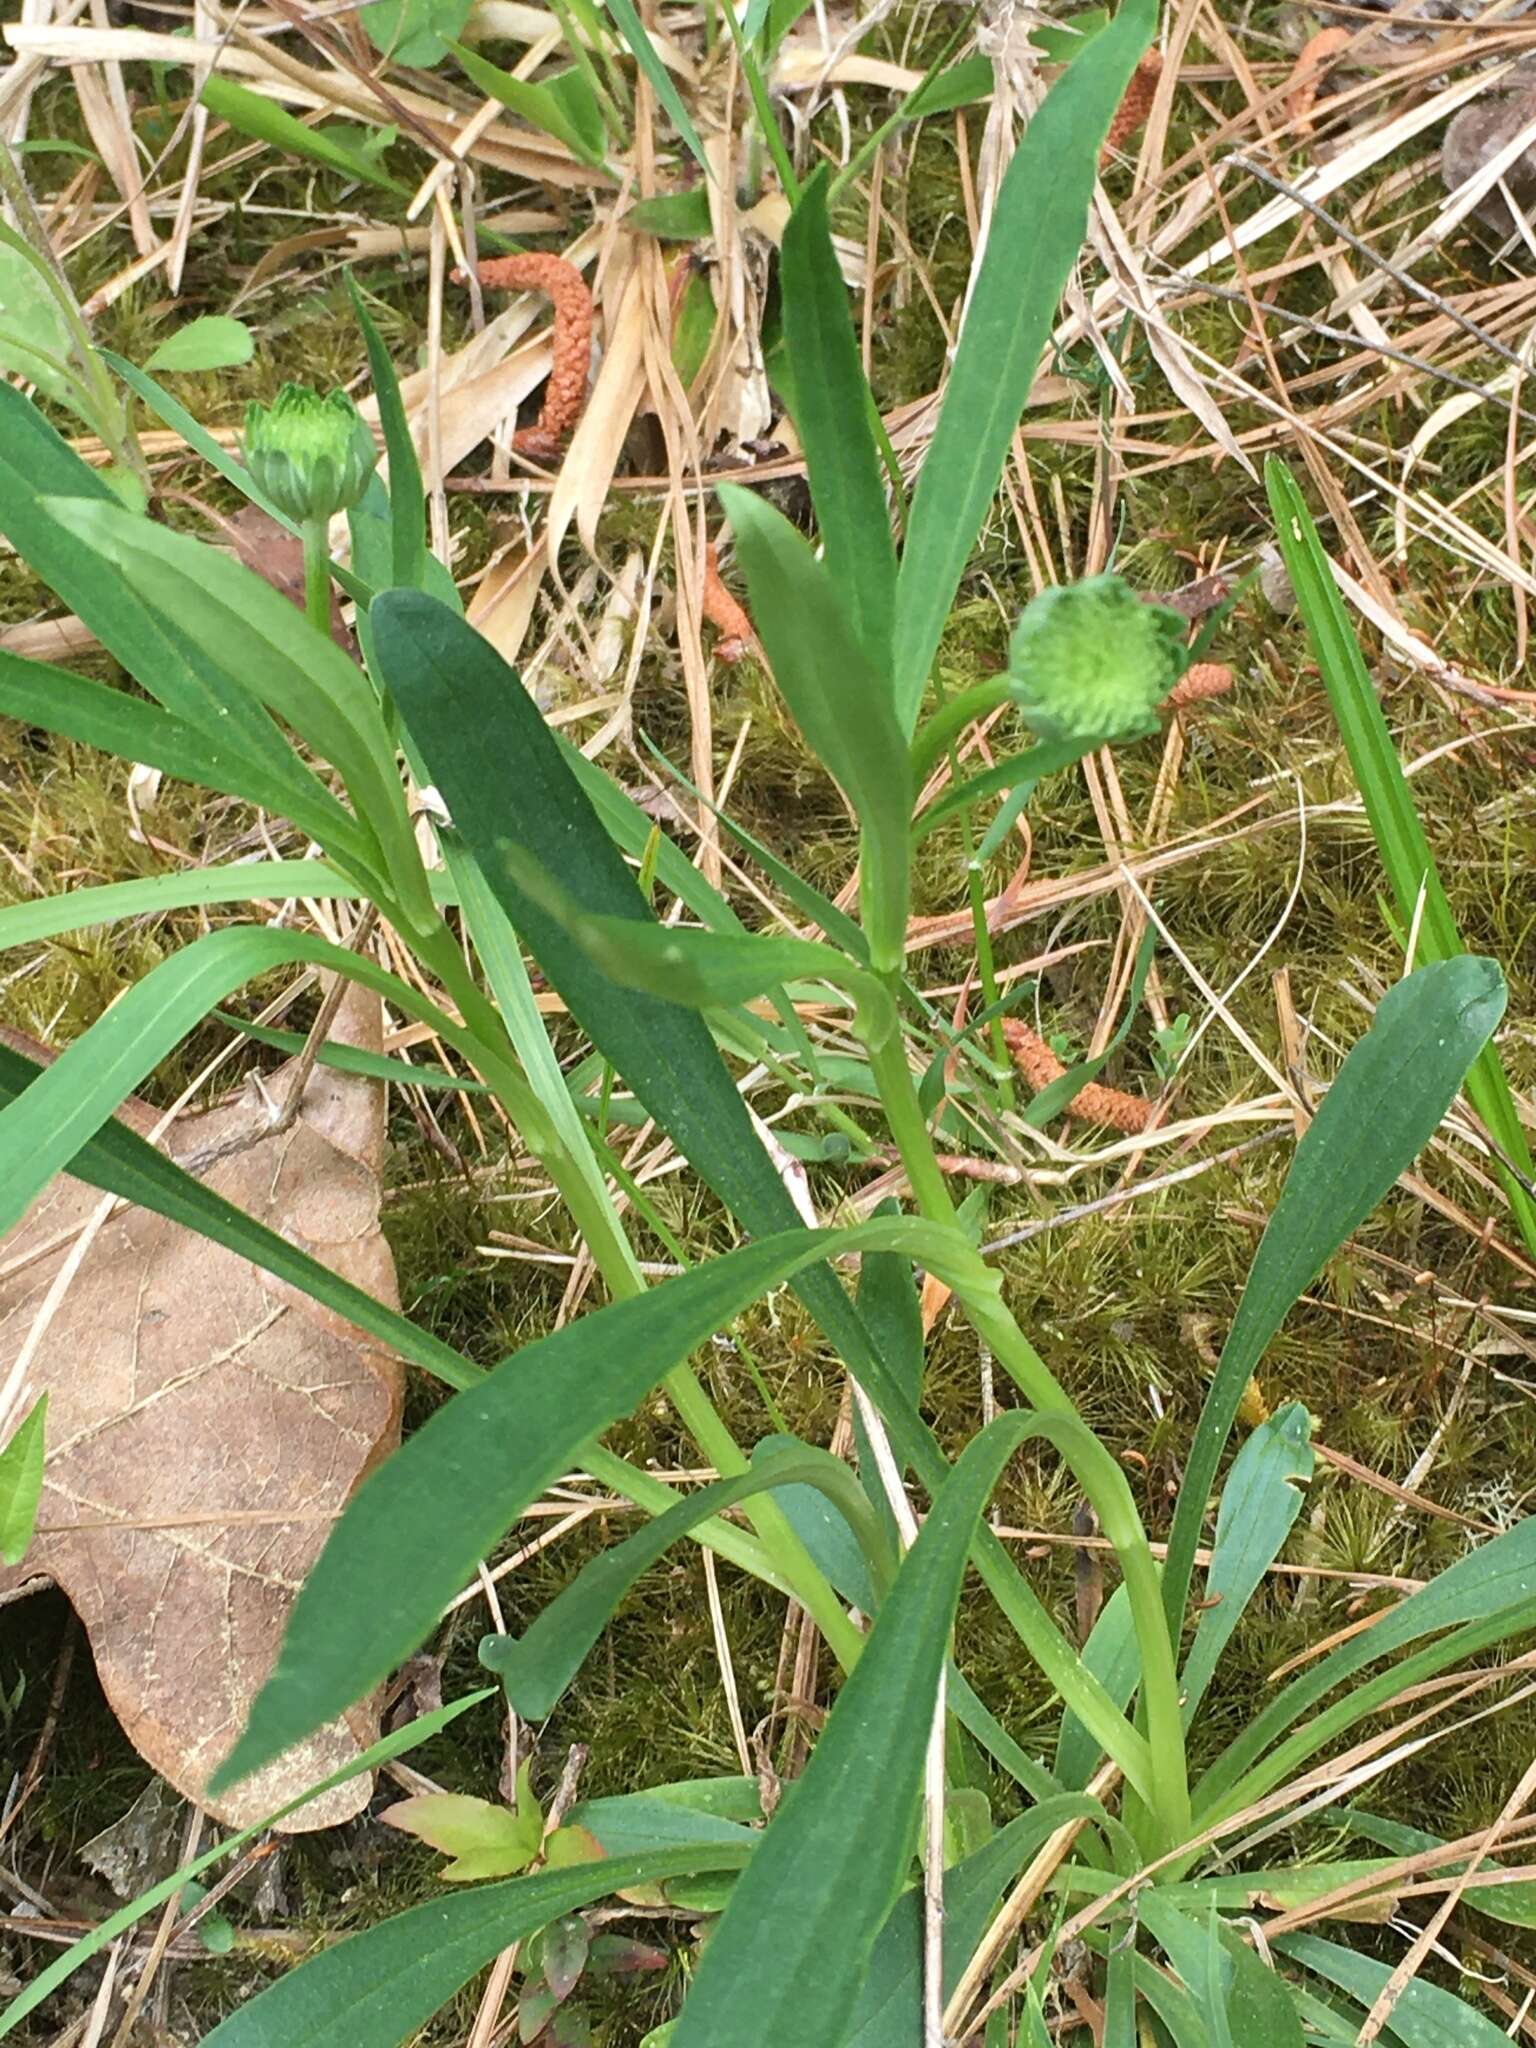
(1135, 106)
(1097, 1105)
(725, 614)
(1203, 679)
(565, 393)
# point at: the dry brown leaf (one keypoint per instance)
(581, 488)
(206, 1423)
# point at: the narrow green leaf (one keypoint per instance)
(1482, 1598)
(96, 715)
(1385, 1105)
(58, 1972)
(645, 54)
(1033, 240)
(44, 1127)
(406, 514)
(537, 1667)
(1424, 2017)
(831, 408)
(491, 1450)
(214, 342)
(1259, 1503)
(1405, 852)
(564, 106)
(265, 121)
(286, 665)
(840, 699)
(264, 881)
(671, 216)
(351, 1059)
(793, 1948)
(378, 1988)
(21, 1482)
(1514, 1903)
(35, 338)
(890, 2004)
(962, 85)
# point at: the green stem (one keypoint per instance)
(1117, 1507)
(317, 575)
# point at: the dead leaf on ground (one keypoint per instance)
(206, 1423)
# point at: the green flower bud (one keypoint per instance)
(311, 456)
(1090, 660)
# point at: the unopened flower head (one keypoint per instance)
(1091, 661)
(311, 456)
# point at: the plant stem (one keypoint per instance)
(317, 575)
(1029, 1372)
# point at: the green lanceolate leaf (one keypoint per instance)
(490, 1451)
(890, 2004)
(120, 1162)
(1424, 2016)
(43, 1128)
(1396, 1084)
(831, 403)
(21, 1482)
(643, 50)
(841, 702)
(1405, 852)
(1482, 1598)
(298, 673)
(213, 343)
(407, 525)
(794, 1945)
(1259, 1503)
(563, 105)
(1240, 2000)
(267, 122)
(1032, 244)
(377, 1989)
(265, 881)
(703, 970)
(537, 1666)
(96, 715)
(671, 216)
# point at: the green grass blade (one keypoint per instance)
(831, 402)
(351, 1059)
(644, 52)
(1385, 1105)
(403, 1740)
(1487, 1590)
(406, 515)
(1405, 852)
(841, 702)
(266, 881)
(1036, 229)
(411, 1535)
(265, 121)
(378, 1988)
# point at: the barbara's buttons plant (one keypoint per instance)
(1091, 660)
